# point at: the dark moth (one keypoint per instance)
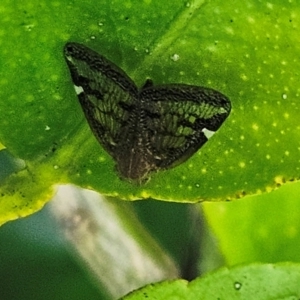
(147, 129)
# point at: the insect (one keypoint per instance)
(148, 129)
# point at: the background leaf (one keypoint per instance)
(248, 52)
(249, 282)
(262, 228)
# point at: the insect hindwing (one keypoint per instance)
(157, 127)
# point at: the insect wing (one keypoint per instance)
(180, 119)
(107, 95)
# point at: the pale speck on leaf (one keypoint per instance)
(175, 57)
(255, 126)
(242, 164)
(237, 285)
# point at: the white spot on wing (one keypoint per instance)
(208, 133)
(69, 58)
(78, 89)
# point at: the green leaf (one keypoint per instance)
(255, 281)
(263, 228)
(246, 51)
